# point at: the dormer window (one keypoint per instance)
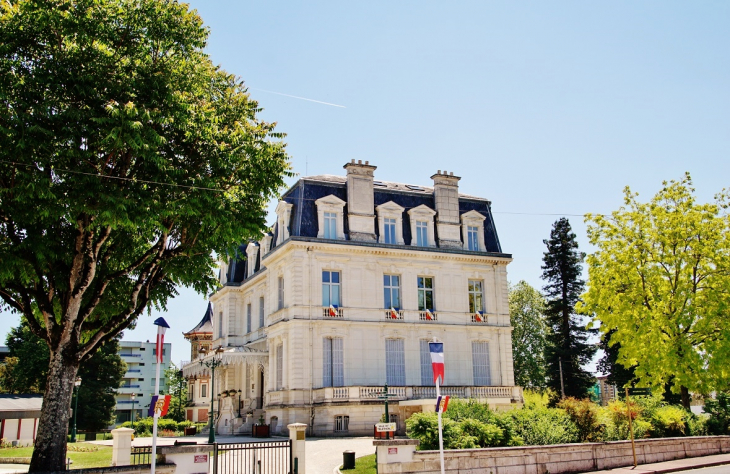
(252, 253)
(283, 217)
(329, 218)
(422, 234)
(472, 229)
(390, 223)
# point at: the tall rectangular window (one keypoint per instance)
(331, 288)
(279, 366)
(220, 324)
(389, 231)
(476, 296)
(281, 292)
(480, 359)
(422, 233)
(472, 234)
(425, 293)
(426, 367)
(203, 390)
(248, 318)
(261, 312)
(330, 225)
(391, 291)
(395, 362)
(333, 374)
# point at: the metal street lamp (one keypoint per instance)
(134, 400)
(77, 384)
(212, 364)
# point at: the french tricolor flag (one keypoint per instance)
(161, 328)
(333, 310)
(478, 317)
(393, 313)
(437, 360)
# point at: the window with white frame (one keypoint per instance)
(220, 324)
(341, 423)
(281, 292)
(261, 312)
(248, 318)
(331, 289)
(480, 361)
(472, 234)
(422, 233)
(203, 390)
(472, 229)
(389, 231)
(476, 296)
(390, 223)
(333, 374)
(395, 362)
(391, 292)
(279, 366)
(426, 367)
(425, 293)
(330, 217)
(283, 217)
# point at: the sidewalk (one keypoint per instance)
(671, 466)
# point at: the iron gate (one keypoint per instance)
(268, 457)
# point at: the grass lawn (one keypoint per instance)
(97, 456)
(363, 465)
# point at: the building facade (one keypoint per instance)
(343, 296)
(141, 360)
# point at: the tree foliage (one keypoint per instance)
(616, 373)
(568, 338)
(177, 388)
(127, 159)
(529, 333)
(660, 281)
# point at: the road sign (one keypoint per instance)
(381, 427)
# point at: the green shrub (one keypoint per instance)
(586, 417)
(485, 435)
(668, 421)
(697, 424)
(542, 426)
(472, 409)
(616, 420)
(535, 399)
(424, 427)
(719, 414)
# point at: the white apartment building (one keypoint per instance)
(343, 296)
(141, 359)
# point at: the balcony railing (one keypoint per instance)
(428, 316)
(131, 355)
(357, 393)
(328, 312)
(394, 315)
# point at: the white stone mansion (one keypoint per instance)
(343, 296)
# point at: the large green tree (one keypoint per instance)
(100, 375)
(127, 160)
(616, 373)
(177, 388)
(660, 281)
(529, 335)
(569, 347)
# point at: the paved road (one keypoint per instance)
(324, 454)
(707, 470)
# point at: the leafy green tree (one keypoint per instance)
(660, 280)
(101, 375)
(7, 375)
(616, 373)
(568, 339)
(527, 314)
(127, 161)
(177, 388)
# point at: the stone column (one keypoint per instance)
(122, 446)
(446, 197)
(360, 201)
(391, 451)
(296, 435)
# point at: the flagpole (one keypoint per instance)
(160, 348)
(441, 434)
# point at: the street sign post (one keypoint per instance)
(384, 427)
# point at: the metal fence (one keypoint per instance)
(268, 457)
(141, 455)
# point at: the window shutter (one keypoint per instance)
(395, 366)
(327, 362)
(338, 372)
(480, 358)
(279, 366)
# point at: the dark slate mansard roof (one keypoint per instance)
(304, 219)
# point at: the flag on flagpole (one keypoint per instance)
(442, 403)
(333, 310)
(393, 313)
(437, 359)
(161, 328)
(478, 316)
(429, 314)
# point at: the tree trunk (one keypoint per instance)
(686, 399)
(49, 453)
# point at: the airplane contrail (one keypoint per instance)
(297, 97)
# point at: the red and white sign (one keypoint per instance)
(201, 458)
(392, 450)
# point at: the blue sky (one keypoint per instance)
(546, 108)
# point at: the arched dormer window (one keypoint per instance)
(330, 218)
(283, 218)
(422, 234)
(390, 223)
(472, 231)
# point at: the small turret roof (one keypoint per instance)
(205, 326)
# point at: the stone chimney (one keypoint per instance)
(446, 196)
(360, 201)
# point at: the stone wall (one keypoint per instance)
(557, 459)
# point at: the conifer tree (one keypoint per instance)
(568, 338)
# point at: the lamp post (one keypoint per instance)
(214, 362)
(134, 400)
(77, 384)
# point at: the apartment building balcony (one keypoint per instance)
(386, 314)
(490, 394)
